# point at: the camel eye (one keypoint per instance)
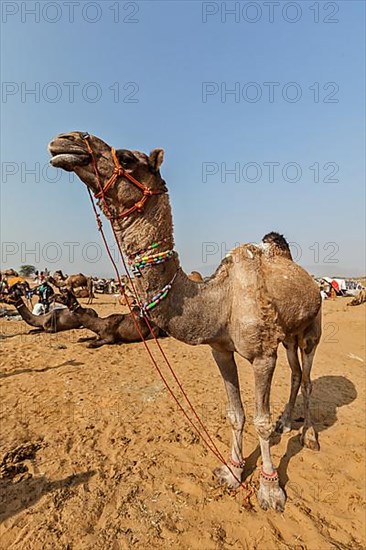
(85, 135)
(127, 159)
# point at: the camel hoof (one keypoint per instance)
(271, 495)
(309, 439)
(93, 345)
(283, 426)
(225, 477)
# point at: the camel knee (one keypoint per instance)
(306, 387)
(236, 418)
(296, 378)
(263, 426)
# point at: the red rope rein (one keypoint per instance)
(207, 439)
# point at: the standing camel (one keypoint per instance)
(78, 283)
(257, 298)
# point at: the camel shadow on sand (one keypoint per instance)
(328, 394)
(7, 336)
(72, 363)
(16, 497)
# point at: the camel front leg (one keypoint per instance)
(226, 363)
(99, 342)
(87, 339)
(270, 494)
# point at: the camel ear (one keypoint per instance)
(156, 159)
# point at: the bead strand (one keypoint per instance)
(145, 250)
(159, 297)
(140, 262)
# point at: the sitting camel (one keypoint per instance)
(359, 299)
(257, 298)
(117, 328)
(21, 285)
(9, 273)
(56, 320)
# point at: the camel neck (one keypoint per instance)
(185, 302)
(138, 232)
(27, 316)
(88, 318)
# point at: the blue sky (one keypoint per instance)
(171, 68)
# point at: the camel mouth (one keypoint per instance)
(68, 161)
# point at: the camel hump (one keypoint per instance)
(196, 277)
(277, 245)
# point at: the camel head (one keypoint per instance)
(59, 276)
(12, 297)
(68, 299)
(71, 153)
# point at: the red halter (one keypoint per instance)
(118, 172)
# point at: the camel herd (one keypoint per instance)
(117, 328)
(257, 299)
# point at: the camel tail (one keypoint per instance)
(277, 245)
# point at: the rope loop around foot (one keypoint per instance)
(237, 464)
(269, 477)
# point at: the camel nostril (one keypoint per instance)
(69, 137)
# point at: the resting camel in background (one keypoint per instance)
(359, 299)
(257, 298)
(81, 285)
(117, 328)
(9, 273)
(56, 320)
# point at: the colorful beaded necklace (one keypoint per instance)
(155, 301)
(143, 259)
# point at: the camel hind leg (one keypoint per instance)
(270, 494)
(284, 422)
(308, 344)
(309, 436)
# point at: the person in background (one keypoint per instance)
(45, 292)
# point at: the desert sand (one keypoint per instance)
(96, 455)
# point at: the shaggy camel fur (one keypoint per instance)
(117, 328)
(257, 298)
